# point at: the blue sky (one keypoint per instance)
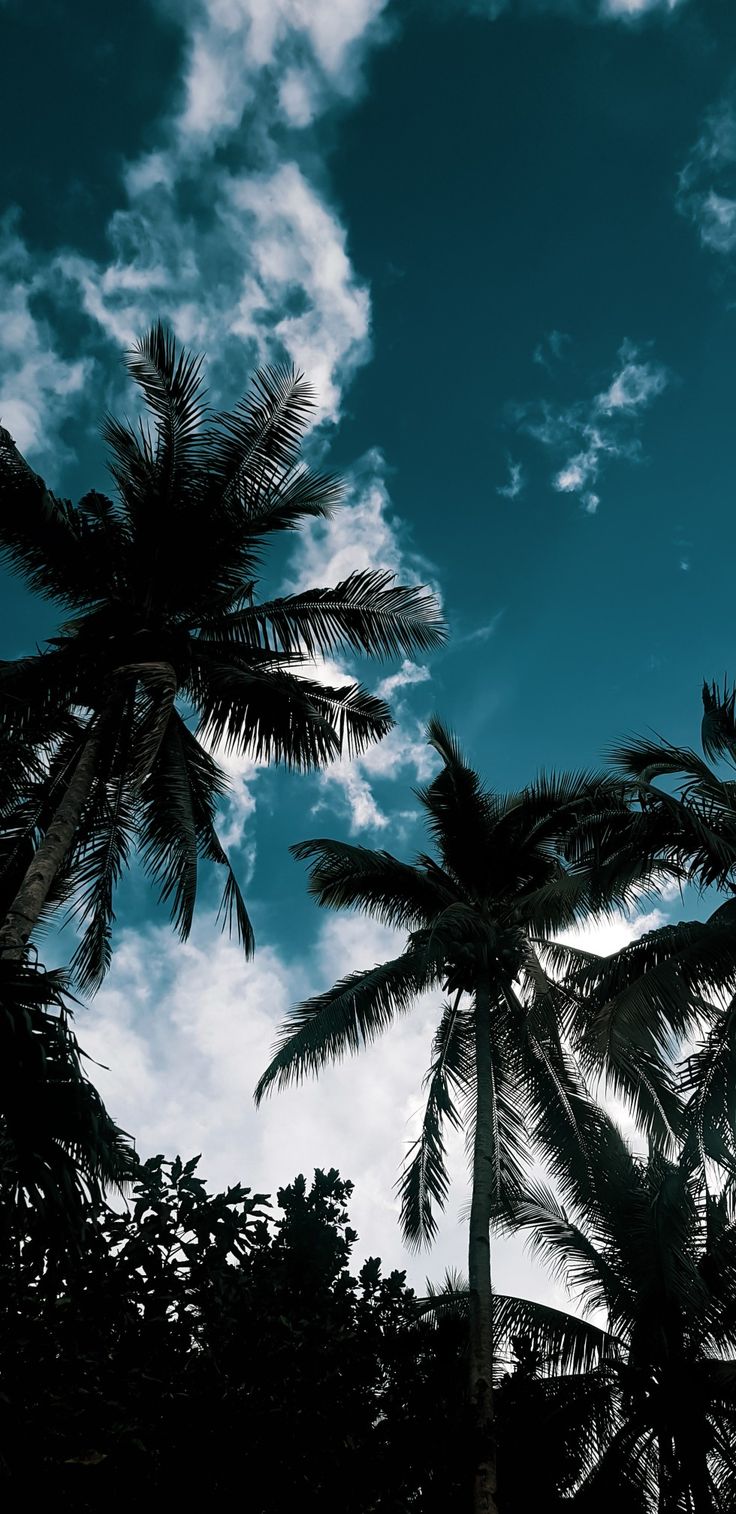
(501, 240)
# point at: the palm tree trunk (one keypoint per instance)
(479, 1267)
(25, 910)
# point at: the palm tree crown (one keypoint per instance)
(478, 918)
(673, 991)
(164, 625)
(645, 1242)
(491, 900)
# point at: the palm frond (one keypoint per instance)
(709, 1076)
(449, 1300)
(263, 431)
(61, 552)
(271, 502)
(563, 1120)
(718, 729)
(564, 1342)
(171, 381)
(233, 911)
(570, 1254)
(207, 785)
(626, 1475)
(648, 996)
(424, 1181)
(457, 809)
(35, 697)
(640, 759)
(58, 1144)
(155, 686)
(342, 876)
(97, 866)
(279, 717)
(347, 1017)
(367, 612)
(168, 828)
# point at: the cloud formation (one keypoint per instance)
(551, 349)
(631, 9)
(515, 482)
(315, 49)
(588, 434)
(38, 386)
(246, 259)
(576, 10)
(706, 192)
(184, 1031)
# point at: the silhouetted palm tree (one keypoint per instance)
(645, 1242)
(479, 918)
(59, 1148)
(674, 988)
(160, 585)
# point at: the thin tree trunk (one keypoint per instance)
(479, 1267)
(25, 910)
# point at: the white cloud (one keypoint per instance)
(363, 533)
(629, 9)
(249, 263)
(515, 484)
(574, 474)
(706, 192)
(187, 1030)
(297, 244)
(409, 673)
(606, 10)
(184, 1032)
(264, 270)
(403, 756)
(610, 935)
(606, 425)
(296, 97)
(38, 387)
(634, 386)
(316, 46)
(551, 349)
(478, 634)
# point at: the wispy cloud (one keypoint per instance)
(38, 386)
(582, 10)
(315, 49)
(184, 1031)
(248, 260)
(590, 433)
(632, 9)
(362, 533)
(348, 786)
(706, 191)
(261, 272)
(479, 634)
(515, 483)
(409, 673)
(551, 350)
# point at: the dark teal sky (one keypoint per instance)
(499, 182)
(423, 197)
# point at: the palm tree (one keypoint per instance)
(59, 1148)
(547, 1392)
(478, 918)
(674, 989)
(164, 626)
(645, 1242)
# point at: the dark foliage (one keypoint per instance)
(192, 1345)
